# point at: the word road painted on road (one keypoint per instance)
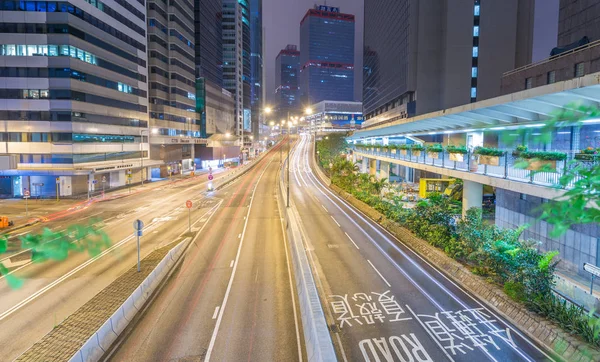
(403, 348)
(465, 330)
(363, 308)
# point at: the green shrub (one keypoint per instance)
(457, 149)
(483, 151)
(435, 148)
(417, 147)
(543, 155)
(404, 146)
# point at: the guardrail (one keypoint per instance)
(506, 167)
(319, 346)
(107, 334)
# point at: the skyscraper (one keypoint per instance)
(423, 56)
(73, 96)
(174, 121)
(287, 66)
(236, 59)
(327, 55)
(256, 86)
(212, 102)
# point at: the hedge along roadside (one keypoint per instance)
(536, 327)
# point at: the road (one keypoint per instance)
(232, 298)
(382, 301)
(54, 290)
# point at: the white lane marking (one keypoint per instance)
(239, 236)
(339, 340)
(216, 312)
(373, 266)
(231, 264)
(430, 335)
(213, 339)
(351, 240)
(425, 273)
(338, 224)
(287, 261)
(77, 269)
(324, 208)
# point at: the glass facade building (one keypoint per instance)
(256, 86)
(287, 66)
(209, 37)
(75, 81)
(327, 55)
(237, 46)
(385, 55)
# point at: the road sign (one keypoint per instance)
(103, 178)
(37, 184)
(95, 182)
(592, 269)
(188, 204)
(138, 225)
(210, 177)
(26, 193)
(57, 180)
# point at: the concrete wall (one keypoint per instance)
(579, 245)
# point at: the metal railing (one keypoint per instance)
(507, 167)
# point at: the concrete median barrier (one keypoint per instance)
(319, 346)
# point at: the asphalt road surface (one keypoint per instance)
(232, 298)
(382, 301)
(54, 290)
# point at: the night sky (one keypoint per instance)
(281, 20)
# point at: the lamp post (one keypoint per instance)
(308, 112)
(288, 163)
(142, 152)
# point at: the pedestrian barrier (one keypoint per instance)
(107, 334)
(319, 346)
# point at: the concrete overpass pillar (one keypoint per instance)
(384, 170)
(373, 167)
(472, 195)
(364, 166)
(353, 157)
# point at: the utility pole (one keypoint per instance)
(288, 163)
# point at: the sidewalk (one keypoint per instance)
(577, 288)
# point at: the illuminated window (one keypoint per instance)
(475, 52)
(474, 72)
(476, 30)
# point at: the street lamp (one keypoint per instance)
(289, 123)
(142, 149)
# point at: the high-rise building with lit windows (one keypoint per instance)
(73, 96)
(174, 122)
(256, 63)
(237, 60)
(287, 93)
(427, 55)
(326, 55)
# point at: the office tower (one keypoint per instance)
(73, 96)
(236, 60)
(256, 59)
(287, 66)
(423, 56)
(174, 122)
(326, 55)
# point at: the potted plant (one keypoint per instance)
(589, 154)
(433, 151)
(489, 156)
(457, 153)
(393, 149)
(416, 149)
(542, 160)
(517, 152)
(404, 149)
